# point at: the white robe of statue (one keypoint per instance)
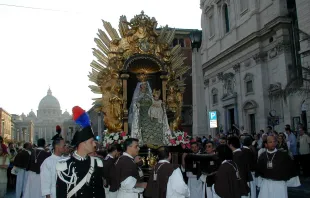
(142, 126)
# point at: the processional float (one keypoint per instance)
(136, 52)
(136, 58)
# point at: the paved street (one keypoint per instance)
(301, 192)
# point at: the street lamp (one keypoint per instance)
(196, 38)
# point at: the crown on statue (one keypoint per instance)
(142, 77)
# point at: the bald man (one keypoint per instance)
(275, 168)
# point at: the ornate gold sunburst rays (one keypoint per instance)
(139, 36)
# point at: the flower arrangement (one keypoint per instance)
(180, 138)
(114, 138)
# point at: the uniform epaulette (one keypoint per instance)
(62, 164)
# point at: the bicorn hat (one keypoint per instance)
(81, 118)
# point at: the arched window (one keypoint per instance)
(181, 42)
(175, 42)
(226, 18)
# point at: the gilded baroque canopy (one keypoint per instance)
(119, 52)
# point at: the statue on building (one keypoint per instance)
(229, 84)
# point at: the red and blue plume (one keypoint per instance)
(80, 116)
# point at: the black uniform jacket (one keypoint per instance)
(80, 168)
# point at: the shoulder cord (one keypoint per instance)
(36, 156)
(73, 177)
(236, 168)
(118, 160)
(272, 156)
(156, 171)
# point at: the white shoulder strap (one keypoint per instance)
(84, 180)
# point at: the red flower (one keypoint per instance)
(188, 146)
(193, 140)
(180, 138)
(185, 134)
(123, 134)
(172, 141)
(183, 146)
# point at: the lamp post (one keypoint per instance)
(196, 38)
(99, 127)
(199, 115)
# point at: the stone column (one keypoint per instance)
(238, 104)
(99, 127)
(124, 78)
(199, 115)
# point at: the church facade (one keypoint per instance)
(249, 55)
(43, 124)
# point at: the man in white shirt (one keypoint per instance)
(48, 169)
(127, 173)
(194, 183)
(304, 151)
(166, 179)
(275, 168)
(33, 183)
(20, 165)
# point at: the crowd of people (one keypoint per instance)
(269, 162)
(263, 165)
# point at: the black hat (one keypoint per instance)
(58, 131)
(81, 118)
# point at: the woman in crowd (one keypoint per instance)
(4, 164)
(282, 142)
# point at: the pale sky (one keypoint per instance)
(52, 47)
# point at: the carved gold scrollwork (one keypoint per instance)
(137, 37)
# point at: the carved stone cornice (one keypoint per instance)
(220, 76)
(206, 82)
(236, 67)
(283, 46)
(227, 76)
(251, 39)
(260, 57)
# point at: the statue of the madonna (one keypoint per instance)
(149, 127)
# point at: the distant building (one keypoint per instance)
(5, 124)
(23, 129)
(182, 38)
(49, 115)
